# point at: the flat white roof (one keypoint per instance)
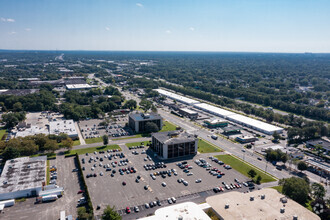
(241, 207)
(189, 111)
(23, 173)
(185, 211)
(65, 126)
(32, 131)
(176, 96)
(80, 86)
(213, 109)
(255, 123)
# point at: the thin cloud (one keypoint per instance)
(7, 20)
(12, 33)
(107, 28)
(192, 28)
(139, 5)
(168, 32)
(28, 29)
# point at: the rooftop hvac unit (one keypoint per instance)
(227, 206)
(263, 196)
(252, 198)
(282, 210)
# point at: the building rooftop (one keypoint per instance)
(240, 206)
(189, 111)
(18, 92)
(80, 86)
(142, 116)
(65, 126)
(23, 173)
(173, 137)
(183, 211)
(176, 96)
(214, 110)
(215, 121)
(324, 143)
(318, 164)
(255, 123)
(231, 128)
(32, 131)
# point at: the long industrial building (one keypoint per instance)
(177, 97)
(229, 115)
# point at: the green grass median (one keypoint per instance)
(168, 126)
(91, 149)
(137, 143)
(93, 140)
(244, 168)
(206, 147)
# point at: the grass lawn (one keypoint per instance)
(168, 126)
(137, 143)
(206, 147)
(2, 133)
(134, 136)
(244, 168)
(76, 142)
(49, 155)
(93, 140)
(48, 173)
(91, 149)
(278, 188)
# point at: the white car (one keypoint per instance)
(169, 200)
(198, 180)
(163, 184)
(190, 174)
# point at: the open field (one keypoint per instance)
(243, 167)
(48, 174)
(206, 147)
(76, 142)
(92, 149)
(278, 188)
(137, 143)
(93, 140)
(168, 126)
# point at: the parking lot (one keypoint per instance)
(68, 202)
(106, 190)
(93, 129)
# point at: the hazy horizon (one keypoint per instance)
(264, 26)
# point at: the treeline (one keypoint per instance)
(92, 104)
(30, 145)
(43, 100)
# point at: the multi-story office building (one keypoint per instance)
(138, 121)
(174, 144)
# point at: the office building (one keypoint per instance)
(137, 121)
(173, 144)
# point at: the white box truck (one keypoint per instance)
(49, 198)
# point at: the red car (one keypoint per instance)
(80, 191)
(128, 210)
(221, 189)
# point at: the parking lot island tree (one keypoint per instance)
(105, 139)
(302, 166)
(110, 213)
(252, 173)
(318, 191)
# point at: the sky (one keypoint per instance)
(166, 25)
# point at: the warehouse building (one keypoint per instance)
(65, 126)
(137, 121)
(214, 110)
(188, 113)
(177, 97)
(255, 124)
(23, 177)
(79, 86)
(173, 144)
(215, 123)
(260, 204)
